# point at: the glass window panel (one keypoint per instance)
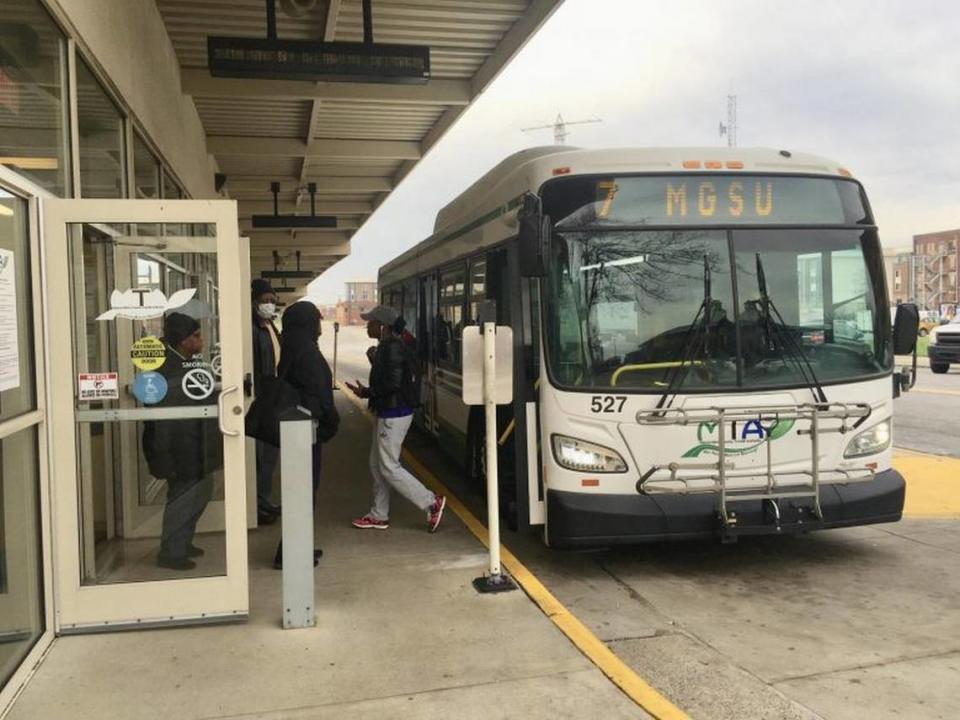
(625, 308)
(153, 487)
(100, 128)
(824, 288)
(21, 560)
(146, 170)
(32, 115)
(170, 188)
(17, 369)
(450, 327)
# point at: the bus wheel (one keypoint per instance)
(939, 368)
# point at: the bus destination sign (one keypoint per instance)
(703, 200)
(269, 59)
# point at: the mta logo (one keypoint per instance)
(743, 438)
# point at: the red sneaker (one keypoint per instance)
(435, 512)
(368, 521)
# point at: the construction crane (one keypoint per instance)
(730, 129)
(559, 127)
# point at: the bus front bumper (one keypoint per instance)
(584, 520)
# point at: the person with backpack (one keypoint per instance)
(393, 396)
(303, 367)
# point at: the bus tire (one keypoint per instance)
(939, 368)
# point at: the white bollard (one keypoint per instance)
(296, 481)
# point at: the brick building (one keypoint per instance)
(935, 270)
(361, 296)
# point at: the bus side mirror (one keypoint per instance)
(906, 325)
(530, 237)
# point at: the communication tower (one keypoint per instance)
(730, 129)
(559, 127)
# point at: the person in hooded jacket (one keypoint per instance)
(186, 451)
(266, 355)
(393, 396)
(303, 366)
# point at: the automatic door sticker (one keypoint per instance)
(144, 303)
(198, 384)
(150, 388)
(98, 386)
(148, 353)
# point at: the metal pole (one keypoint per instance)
(296, 473)
(336, 335)
(490, 412)
(367, 22)
(271, 19)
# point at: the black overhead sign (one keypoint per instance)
(274, 59)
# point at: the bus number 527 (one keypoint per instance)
(607, 403)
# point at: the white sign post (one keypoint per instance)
(488, 381)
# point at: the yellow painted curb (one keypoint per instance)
(933, 484)
(622, 675)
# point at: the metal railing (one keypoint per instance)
(770, 485)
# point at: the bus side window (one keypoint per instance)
(450, 316)
(477, 288)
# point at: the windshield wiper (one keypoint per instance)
(788, 343)
(692, 350)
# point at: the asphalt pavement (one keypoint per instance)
(927, 419)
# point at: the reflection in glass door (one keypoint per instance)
(150, 452)
(147, 416)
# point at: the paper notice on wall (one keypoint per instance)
(9, 332)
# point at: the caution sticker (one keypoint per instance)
(148, 353)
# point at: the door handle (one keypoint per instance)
(221, 411)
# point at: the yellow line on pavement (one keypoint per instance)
(622, 675)
(933, 484)
(936, 392)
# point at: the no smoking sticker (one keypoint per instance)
(148, 353)
(198, 384)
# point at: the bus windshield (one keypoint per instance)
(625, 306)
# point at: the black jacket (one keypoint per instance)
(264, 360)
(392, 377)
(187, 448)
(310, 376)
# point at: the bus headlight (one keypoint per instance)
(583, 456)
(871, 441)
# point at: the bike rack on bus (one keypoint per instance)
(683, 477)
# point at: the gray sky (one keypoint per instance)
(870, 83)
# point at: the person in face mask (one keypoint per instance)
(266, 356)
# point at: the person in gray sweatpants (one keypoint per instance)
(392, 396)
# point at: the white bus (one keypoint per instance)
(702, 343)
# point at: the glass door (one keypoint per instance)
(147, 411)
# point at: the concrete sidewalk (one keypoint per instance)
(400, 633)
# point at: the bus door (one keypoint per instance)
(428, 348)
(526, 395)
